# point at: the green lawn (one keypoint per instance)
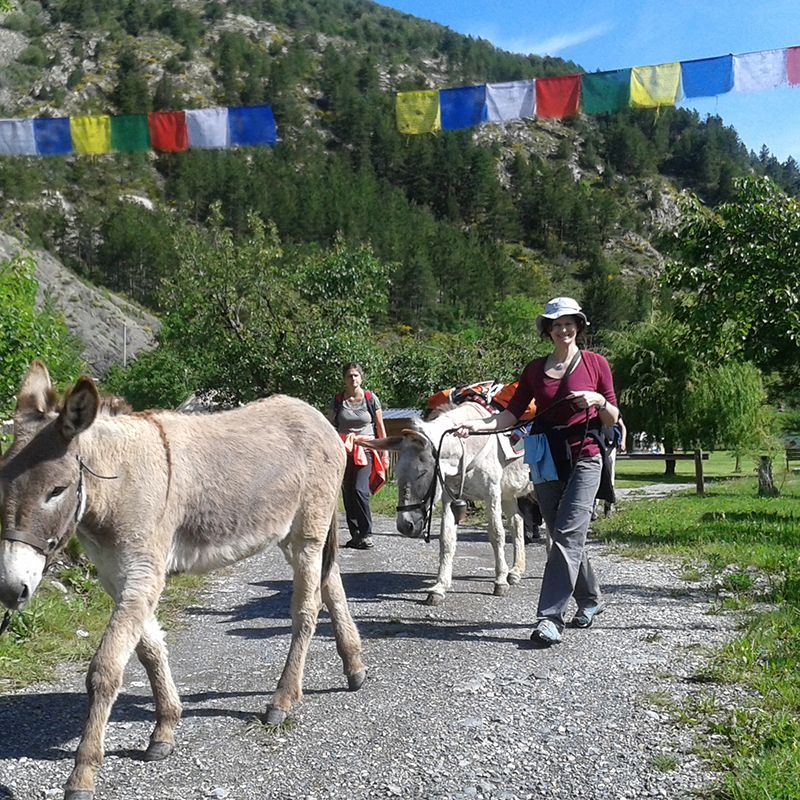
(720, 464)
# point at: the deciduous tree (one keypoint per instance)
(737, 281)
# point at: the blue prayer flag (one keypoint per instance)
(252, 125)
(462, 107)
(52, 136)
(705, 77)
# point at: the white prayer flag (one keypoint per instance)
(208, 128)
(17, 137)
(756, 72)
(510, 100)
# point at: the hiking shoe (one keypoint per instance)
(546, 633)
(584, 617)
(361, 543)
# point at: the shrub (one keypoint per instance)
(33, 56)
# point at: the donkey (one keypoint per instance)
(161, 492)
(488, 474)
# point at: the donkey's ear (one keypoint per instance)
(35, 396)
(389, 443)
(415, 437)
(80, 409)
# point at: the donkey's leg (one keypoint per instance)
(124, 630)
(511, 511)
(348, 641)
(306, 601)
(497, 538)
(447, 552)
(152, 652)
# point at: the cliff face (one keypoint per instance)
(111, 328)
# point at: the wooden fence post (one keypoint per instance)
(698, 472)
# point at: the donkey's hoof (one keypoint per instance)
(434, 599)
(157, 751)
(513, 578)
(356, 681)
(78, 794)
(275, 716)
(501, 589)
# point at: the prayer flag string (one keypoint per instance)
(652, 86)
(165, 131)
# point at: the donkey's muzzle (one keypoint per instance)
(15, 596)
(21, 569)
(408, 526)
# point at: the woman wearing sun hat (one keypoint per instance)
(566, 462)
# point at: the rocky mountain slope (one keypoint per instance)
(111, 328)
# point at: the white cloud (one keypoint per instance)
(553, 45)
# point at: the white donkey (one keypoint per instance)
(487, 473)
(162, 492)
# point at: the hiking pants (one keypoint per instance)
(567, 510)
(355, 491)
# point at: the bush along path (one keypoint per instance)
(457, 703)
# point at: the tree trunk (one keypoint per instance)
(669, 465)
(738, 466)
(766, 486)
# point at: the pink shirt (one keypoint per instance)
(592, 374)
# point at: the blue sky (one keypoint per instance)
(611, 34)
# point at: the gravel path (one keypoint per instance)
(457, 703)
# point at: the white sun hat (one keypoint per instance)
(559, 307)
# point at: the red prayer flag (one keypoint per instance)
(558, 97)
(168, 131)
(793, 65)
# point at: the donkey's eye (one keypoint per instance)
(57, 492)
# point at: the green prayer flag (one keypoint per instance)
(606, 91)
(130, 133)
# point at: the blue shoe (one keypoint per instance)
(546, 633)
(584, 617)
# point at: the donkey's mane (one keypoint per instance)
(113, 406)
(450, 406)
(110, 405)
(439, 410)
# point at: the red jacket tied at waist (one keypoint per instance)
(361, 458)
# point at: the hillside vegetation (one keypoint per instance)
(475, 228)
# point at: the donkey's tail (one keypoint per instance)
(330, 549)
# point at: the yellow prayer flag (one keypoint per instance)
(655, 86)
(91, 134)
(418, 112)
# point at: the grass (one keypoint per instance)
(665, 763)
(65, 626)
(750, 546)
(720, 465)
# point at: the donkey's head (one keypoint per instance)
(41, 491)
(415, 472)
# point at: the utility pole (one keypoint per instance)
(124, 344)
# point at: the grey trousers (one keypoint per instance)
(567, 510)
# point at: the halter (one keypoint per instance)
(426, 504)
(48, 547)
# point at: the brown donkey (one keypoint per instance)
(160, 492)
